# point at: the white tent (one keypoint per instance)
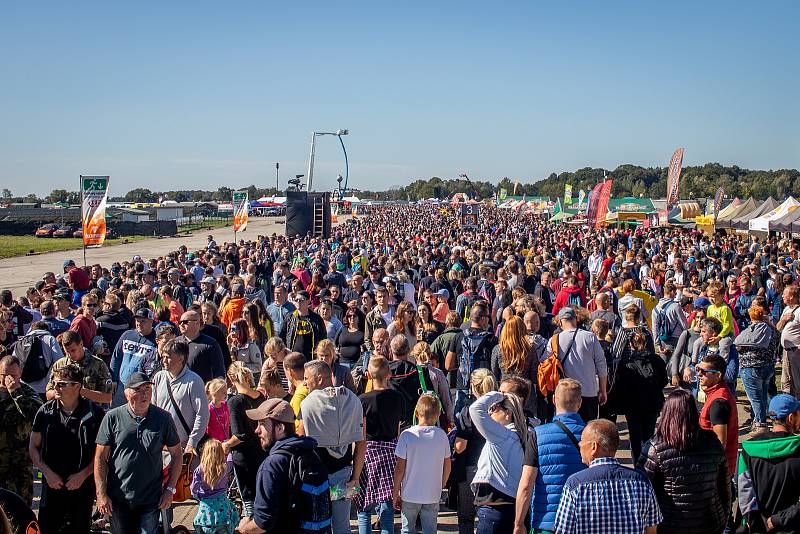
(762, 223)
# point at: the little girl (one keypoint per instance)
(219, 422)
(216, 514)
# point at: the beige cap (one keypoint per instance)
(277, 409)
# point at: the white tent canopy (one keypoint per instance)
(762, 223)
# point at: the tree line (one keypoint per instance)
(629, 180)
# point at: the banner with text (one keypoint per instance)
(567, 194)
(591, 210)
(94, 191)
(718, 196)
(674, 178)
(602, 203)
(241, 208)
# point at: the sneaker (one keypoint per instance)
(759, 428)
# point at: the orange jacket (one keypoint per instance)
(232, 311)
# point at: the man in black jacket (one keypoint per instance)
(205, 356)
(769, 472)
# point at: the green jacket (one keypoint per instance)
(17, 411)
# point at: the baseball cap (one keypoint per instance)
(62, 294)
(443, 293)
(783, 405)
(136, 380)
(143, 313)
(566, 313)
(136, 258)
(702, 302)
(208, 280)
(67, 263)
(276, 409)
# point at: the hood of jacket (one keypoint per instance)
(294, 444)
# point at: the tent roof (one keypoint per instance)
(742, 221)
(725, 221)
(730, 208)
(764, 222)
(788, 223)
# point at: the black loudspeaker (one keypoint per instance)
(308, 213)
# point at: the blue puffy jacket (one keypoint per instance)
(558, 459)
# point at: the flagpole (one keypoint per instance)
(80, 188)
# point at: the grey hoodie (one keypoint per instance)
(334, 417)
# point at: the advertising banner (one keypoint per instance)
(718, 196)
(241, 208)
(567, 194)
(602, 203)
(94, 191)
(674, 178)
(591, 211)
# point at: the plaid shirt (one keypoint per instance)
(377, 477)
(605, 498)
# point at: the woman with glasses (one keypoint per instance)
(403, 323)
(255, 330)
(501, 421)
(349, 341)
(244, 349)
(426, 328)
(84, 323)
(326, 352)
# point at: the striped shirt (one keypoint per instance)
(605, 498)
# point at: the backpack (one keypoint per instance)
(574, 299)
(411, 387)
(470, 300)
(476, 353)
(486, 292)
(310, 499)
(31, 353)
(551, 370)
(662, 326)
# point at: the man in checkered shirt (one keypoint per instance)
(607, 497)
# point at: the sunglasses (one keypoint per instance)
(91, 305)
(61, 384)
(701, 371)
(187, 321)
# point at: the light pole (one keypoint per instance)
(277, 187)
(310, 174)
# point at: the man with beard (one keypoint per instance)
(275, 488)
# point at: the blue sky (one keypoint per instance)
(180, 95)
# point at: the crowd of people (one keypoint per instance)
(288, 384)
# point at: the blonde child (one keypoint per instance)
(216, 514)
(219, 422)
(422, 469)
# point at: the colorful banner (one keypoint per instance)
(503, 193)
(581, 197)
(567, 194)
(591, 210)
(241, 208)
(602, 203)
(94, 190)
(674, 178)
(718, 196)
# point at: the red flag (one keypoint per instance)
(602, 203)
(674, 178)
(594, 197)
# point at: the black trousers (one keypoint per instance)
(62, 510)
(641, 427)
(590, 407)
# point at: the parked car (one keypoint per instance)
(78, 233)
(46, 230)
(65, 230)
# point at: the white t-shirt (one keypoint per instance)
(424, 448)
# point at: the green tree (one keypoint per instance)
(140, 194)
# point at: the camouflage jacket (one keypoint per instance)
(17, 411)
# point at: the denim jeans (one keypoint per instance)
(385, 512)
(732, 369)
(133, 520)
(756, 385)
(427, 514)
(340, 508)
(495, 519)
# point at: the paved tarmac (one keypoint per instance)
(21, 272)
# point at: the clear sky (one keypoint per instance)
(181, 95)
